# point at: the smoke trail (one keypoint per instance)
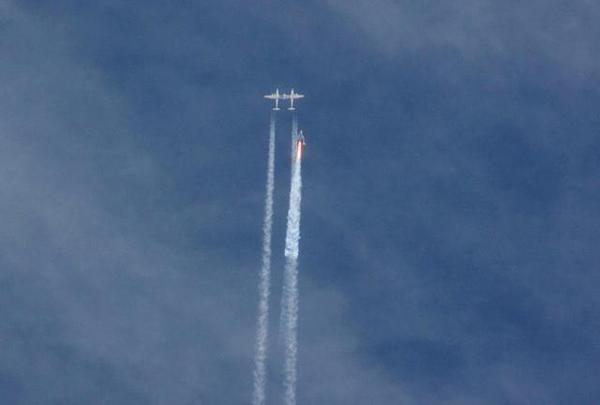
(289, 235)
(264, 286)
(290, 298)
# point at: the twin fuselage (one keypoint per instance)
(283, 96)
(298, 140)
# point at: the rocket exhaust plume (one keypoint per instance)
(293, 228)
(264, 286)
(289, 314)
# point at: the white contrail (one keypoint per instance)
(264, 286)
(290, 289)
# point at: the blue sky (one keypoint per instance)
(450, 211)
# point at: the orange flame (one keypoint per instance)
(298, 149)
